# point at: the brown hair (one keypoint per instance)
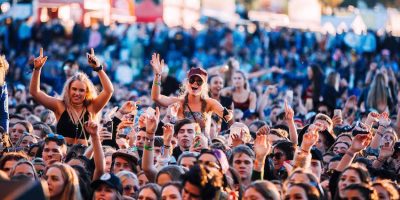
(71, 187)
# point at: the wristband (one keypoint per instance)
(97, 69)
(37, 69)
(167, 146)
(304, 151)
(157, 83)
(148, 148)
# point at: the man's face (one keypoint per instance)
(316, 168)
(191, 191)
(52, 153)
(120, 164)
(8, 166)
(243, 164)
(140, 139)
(185, 135)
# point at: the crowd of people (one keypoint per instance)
(148, 112)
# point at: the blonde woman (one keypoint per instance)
(194, 104)
(63, 183)
(79, 102)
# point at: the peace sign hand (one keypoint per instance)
(39, 61)
(156, 63)
(93, 61)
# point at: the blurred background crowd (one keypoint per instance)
(341, 71)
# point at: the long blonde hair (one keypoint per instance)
(71, 187)
(378, 92)
(91, 92)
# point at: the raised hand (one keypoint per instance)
(199, 142)
(309, 140)
(261, 145)
(384, 119)
(289, 112)
(93, 61)
(168, 132)
(142, 121)
(264, 130)
(174, 108)
(3, 62)
(92, 127)
(152, 122)
(156, 63)
(237, 139)
(372, 118)
(386, 151)
(128, 107)
(38, 62)
(360, 142)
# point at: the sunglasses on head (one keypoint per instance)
(55, 137)
(198, 80)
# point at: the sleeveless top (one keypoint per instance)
(67, 128)
(243, 106)
(199, 117)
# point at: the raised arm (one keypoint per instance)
(148, 155)
(4, 119)
(98, 154)
(360, 142)
(261, 148)
(47, 101)
(289, 118)
(158, 66)
(218, 109)
(302, 158)
(105, 95)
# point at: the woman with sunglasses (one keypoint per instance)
(194, 103)
(130, 183)
(79, 102)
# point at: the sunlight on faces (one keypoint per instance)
(171, 193)
(186, 135)
(243, 164)
(108, 160)
(353, 194)
(55, 181)
(216, 84)
(24, 169)
(347, 178)
(147, 194)
(77, 92)
(16, 132)
(382, 192)
(340, 148)
(316, 168)
(27, 141)
(52, 153)
(195, 88)
(104, 192)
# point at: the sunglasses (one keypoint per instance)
(55, 137)
(198, 81)
(277, 155)
(128, 188)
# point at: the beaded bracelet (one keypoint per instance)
(157, 83)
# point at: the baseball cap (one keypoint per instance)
(200, 72)
(110, 180)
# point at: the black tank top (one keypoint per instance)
(67, 128)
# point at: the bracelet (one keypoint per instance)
(304, 151)
(97, 69)
(37, 69)
(157, 83)
(142, 129)
(167, 146)
(148, 148)
(149, 139)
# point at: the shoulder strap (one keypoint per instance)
(190, 110)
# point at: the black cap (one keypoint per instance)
(110, 180)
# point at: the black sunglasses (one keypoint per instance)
(198, 81)
(277, 155)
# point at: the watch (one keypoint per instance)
(96, 69)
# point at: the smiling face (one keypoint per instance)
(216, 84)
(77, 92)
(195, 85)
